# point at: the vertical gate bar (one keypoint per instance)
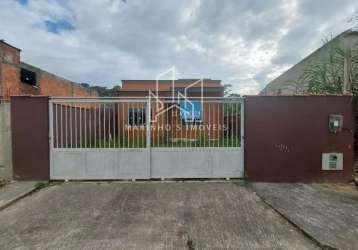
(219, 125)
(236, 113)
(110, 134)
(133, 122)
(118, 126)
(232, 124)
(104, 126)
(80, 118)
(95, 125)
(160, 123)
(227, 123)
(123, 124)
(66, 132)
(172, 129)
(143, 122)
(142, 110)
(114, 124)
(227, 129)
(61, 116)
(76, 126)
(99, 126)
(193, 122)
(166, 124)
(145, 127)
(223, 121)
(203, 136)
(90, 124)
(180, 142)
(61, 123)
(187, 138)
(148, 135)
(138, 126)
(242, 122)
(209, 127)
(85, 123)
(128, 124)
(56, 121)
(237, 125)
(71, 124)
(132, 127)
(158, 131)
(109, 127)
(100, 132)
(140, 123)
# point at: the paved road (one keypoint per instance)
(190, 215)
(327, 212)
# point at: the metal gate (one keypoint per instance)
(144, 138)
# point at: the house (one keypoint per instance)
(181, 110)
(291, 82)
(20, 78)
(141, 88)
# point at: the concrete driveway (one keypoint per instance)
(327, 212)
(190, 215)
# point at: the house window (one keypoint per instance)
(136, 116)
(28, 77)
(190, 111)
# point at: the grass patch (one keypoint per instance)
(166, 142)
(40, 185)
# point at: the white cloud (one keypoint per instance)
(251, 41)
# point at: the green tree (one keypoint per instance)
(104, 91)
(228, 92)
(327, 75)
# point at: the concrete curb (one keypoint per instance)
(7, 202)
(302, 230)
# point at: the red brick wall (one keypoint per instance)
(51, 85)
(9, 54)
(47, 84)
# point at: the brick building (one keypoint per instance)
(172, 114)
(19, 78)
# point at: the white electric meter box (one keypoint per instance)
(335, 123)
(332, 161)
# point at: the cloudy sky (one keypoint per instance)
(243, 42)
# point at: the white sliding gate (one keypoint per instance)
(142, 138)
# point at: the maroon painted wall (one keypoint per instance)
(285, 138)
(30, 137)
